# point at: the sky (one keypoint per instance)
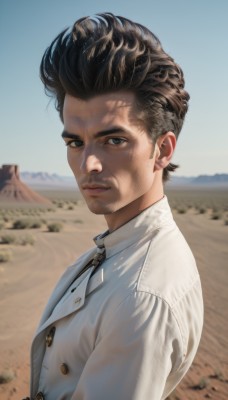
(194, 33)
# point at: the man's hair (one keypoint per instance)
(108, 53)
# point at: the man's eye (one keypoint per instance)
(116, 141)
(74, 143)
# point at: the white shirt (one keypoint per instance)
(131, 331)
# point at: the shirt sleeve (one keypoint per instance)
(137, 348)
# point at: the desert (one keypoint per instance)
(34, 255)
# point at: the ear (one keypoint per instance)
(165, 147)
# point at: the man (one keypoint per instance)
(124, 322)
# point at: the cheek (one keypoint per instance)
(136, 173)
(71, 160)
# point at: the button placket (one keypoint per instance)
(50, 336)
(80, 292)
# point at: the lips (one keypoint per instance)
(94, 188)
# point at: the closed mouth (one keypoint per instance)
(94, 186)
(95, 189)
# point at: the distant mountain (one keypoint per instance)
(179, 180)
(44, 179)
(200, 180)
(211, 179)
(47, 180)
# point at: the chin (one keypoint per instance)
(101, 209)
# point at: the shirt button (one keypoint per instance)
(39, 396)
(64, 369)
(50, 336)
(77, 300)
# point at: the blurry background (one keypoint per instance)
(194, 33)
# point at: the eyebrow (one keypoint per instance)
(106, 132)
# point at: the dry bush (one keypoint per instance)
(7, 239)
(218, 375)
(202, 210)
(181, 210)
(21, 224)
(55, 227)
(27, 239)
(216, 215)
(35, 224)
(6, 376)
(5, 256)
(27, 223)
(6, 218)
(203, 383)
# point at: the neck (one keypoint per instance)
(125, 214)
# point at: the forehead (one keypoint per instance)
(103, 109)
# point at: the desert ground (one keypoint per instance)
(35, 258)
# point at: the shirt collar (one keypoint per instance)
(149, 220)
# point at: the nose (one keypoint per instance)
(90, 162)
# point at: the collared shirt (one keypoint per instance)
(131, 330)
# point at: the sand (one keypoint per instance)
(27, 280)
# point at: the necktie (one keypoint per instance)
(96, 261)
(98, 257)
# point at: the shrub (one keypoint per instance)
(7, 239)
(28, 239)
(216, 215)
(218, 375)
(202, 210)
(26, 223)
(55, 227)
(35, 224)
(203, 383)
(5, 256)
(2, 224)
(181, 210)
(70, 207)
(6, 376)
(21, 224)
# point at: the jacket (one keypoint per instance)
(129, 331)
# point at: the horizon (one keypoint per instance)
(72, 176)
(30, 128)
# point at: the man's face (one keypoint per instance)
(110, 154)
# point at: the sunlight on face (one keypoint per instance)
(109, 153)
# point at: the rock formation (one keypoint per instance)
(12, 189)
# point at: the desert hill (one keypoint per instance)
(12, 189)
(216, 180)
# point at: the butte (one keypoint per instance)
(13, 190)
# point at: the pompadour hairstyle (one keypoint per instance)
(108, 53)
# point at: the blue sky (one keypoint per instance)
(194, 32)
